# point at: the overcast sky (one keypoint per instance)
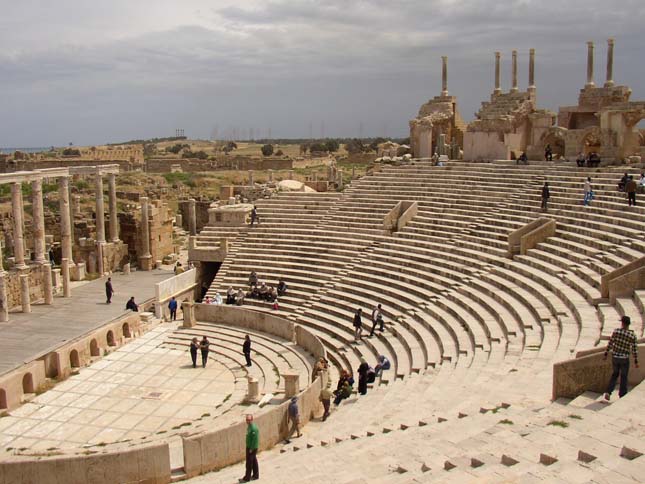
(98, 71)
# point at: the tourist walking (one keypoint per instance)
(294, 418)
(358, 325)
(588, 192)
(545, 196)
(630, 188)
(325, 399)
(109, 290)
(194, 346)
(246, 349)
(131, 305)
(621, 344)
(363, 369)
(376, 315)
(204, 346)
(254, 216)
(252, 445)
(172, 307)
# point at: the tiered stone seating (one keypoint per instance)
(467, 328)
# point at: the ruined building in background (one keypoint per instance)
(604, 121)
(506, 124)
(438, 126)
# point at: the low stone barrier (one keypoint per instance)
(145, 465)
(590, 372)
(181, 286)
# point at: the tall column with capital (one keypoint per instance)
(38, 215)
(18, 237)
(114, 219)
(4, 302)
(590, 82)
(498, 89)
(145, 259)
(610, 63)
(444, 75)
(100, 210)
(531, 69)
(65, 220)
(514, 71)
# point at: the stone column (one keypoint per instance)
(114, 218)
(47, 284)
(18, 238)
(250, 178)
(340, 179)
(24, 293)
(65, 220)
(100, 209)
(270, 175)
(514, 71)
(64, 266)
(76, 205)
(498, 89)
(444, 75)
(253, 392)
(610, 63)
(4, 302)
(38, 216)
(145, 259)
(290, 175)
(531, 69)
(192, 217)
(590, 82)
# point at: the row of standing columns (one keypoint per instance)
(514, 86)
(609, 82)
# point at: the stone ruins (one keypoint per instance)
(509, 124)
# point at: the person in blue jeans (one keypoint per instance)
(622, 345)
(588, 191)
(172, 306)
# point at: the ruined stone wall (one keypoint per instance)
(164, 165)
(36, 292)
(160, 229)
(201, 213)
(28, 165)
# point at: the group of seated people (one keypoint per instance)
(217, 299)
(592, 160)
(346, 381)
(235, 297)
(260, 290)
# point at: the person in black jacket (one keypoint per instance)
(204, 345)
(545, 195)
(131, 305)
(362, 377)
(246, 349)
(194, 346)
(109, 290)
(358, 325)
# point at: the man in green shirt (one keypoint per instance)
(252, 444)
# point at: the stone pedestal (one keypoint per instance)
(291, 383)
(126, 269)
(179, 220)
(76, 205)
(64, 267)
(24, 293)
(270, 175)
(188, 308)
(145, 263)
(253, 392)
(77, 271)
(290, 174)
(57, 279)
(4, 303)
(250, 178)
(48, 289)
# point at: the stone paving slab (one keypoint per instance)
(27, 336)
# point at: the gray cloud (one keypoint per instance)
(123, 69)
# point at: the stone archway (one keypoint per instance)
(556, 141)
(74, 360)
(126, 330)
(3, 399)
(110, 338)
(28, 383)
(94, 348)
(591, 141)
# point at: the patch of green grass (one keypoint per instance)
(577, 417)
(506, 422)
(558, 423)
(81, 185)
(227, 397)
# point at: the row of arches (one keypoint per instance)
(52, 363)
